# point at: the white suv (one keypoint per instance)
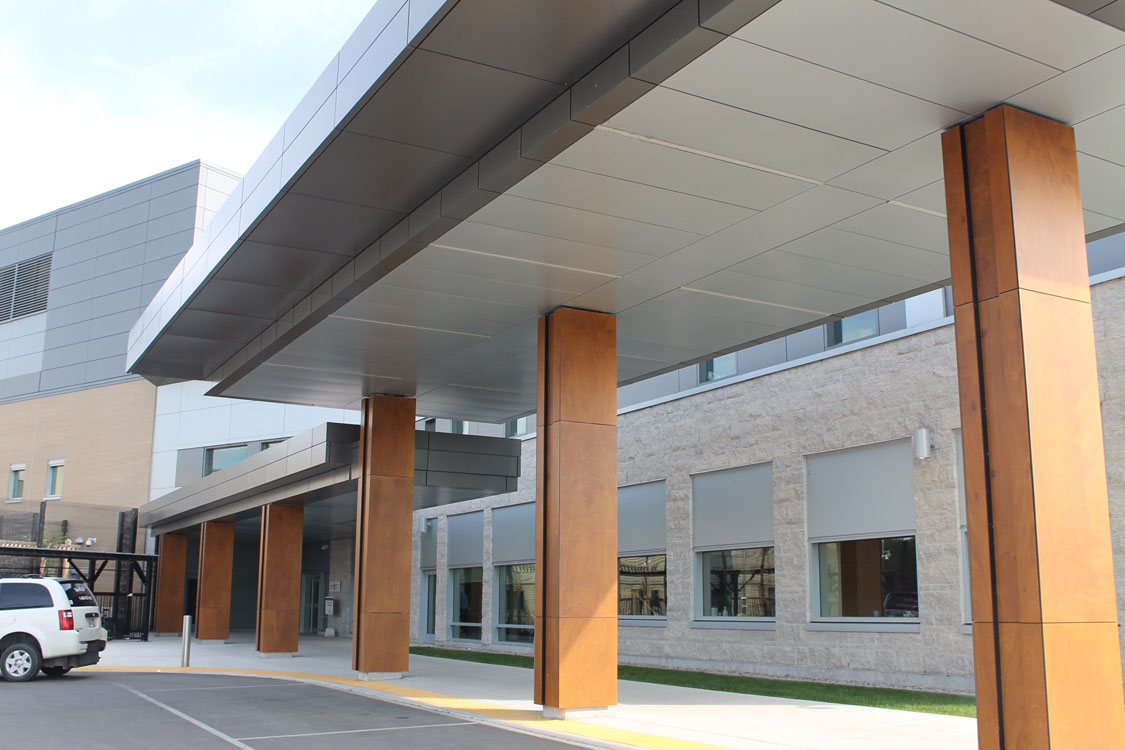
(51, 624)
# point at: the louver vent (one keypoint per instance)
(24, 287)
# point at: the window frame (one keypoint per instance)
(815, 617)
(830, 326)
(54, 479)
(209, 457)
(454, 607)
(498, 624)
(702, 578)
(706, 373)
(427, 608)
(14, 469)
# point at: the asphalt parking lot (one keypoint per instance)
(123, 711)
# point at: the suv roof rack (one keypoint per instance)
(31, 575)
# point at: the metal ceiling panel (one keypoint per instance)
(716, 128)
(930, 61)
(482, 100)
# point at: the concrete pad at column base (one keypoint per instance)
(276, 654)
(213, 641)
(379, 676)
(562, 714)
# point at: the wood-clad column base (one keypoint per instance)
(384, 532)
(1048, 658)
(171, 579)
(216, 563)
(278, 625)
(576, 513)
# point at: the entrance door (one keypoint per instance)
(313, 588)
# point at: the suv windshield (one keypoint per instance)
(78, 594)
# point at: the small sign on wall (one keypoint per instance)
(329, 606)
(334, 586)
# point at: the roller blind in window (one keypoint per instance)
(862, 492)
(466, 540)
(641, 524)
(429, 543)
(513, 534)
(733, 507)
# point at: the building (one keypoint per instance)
(84, 443)
(476, 215)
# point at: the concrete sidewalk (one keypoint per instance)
(653, 716)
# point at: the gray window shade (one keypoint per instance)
(466, 540)
(641, 522)
(513, 534)
(866, 491)
(429, 543)
(733, 507)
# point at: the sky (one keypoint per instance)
(95, 94)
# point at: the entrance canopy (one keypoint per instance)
(716, 173)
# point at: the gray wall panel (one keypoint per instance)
(63, 377)
(104, 369)
(513, 534)
(804, 343)
(761, 356)
(865, 491)
(116, 302)
(642, 518)
(733, 507)
(466, 540)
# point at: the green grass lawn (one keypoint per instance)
(903, 700)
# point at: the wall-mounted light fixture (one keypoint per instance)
(923, 443)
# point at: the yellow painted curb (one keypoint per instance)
(529, 719)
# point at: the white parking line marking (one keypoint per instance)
(225, 687)
(185, 717)
(358, 731)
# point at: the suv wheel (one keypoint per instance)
(19, 662)
(55, 671)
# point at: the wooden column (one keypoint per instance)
(384, 530)
(1048, 659)
(216, 561)
(171, 577)
(278, 624)
(576, 512)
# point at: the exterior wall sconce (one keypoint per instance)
(923, 443)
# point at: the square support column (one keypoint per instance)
(1045, 640)
(171, 577)
(216, 562)
(576, 513)
(278, 625)
(384, 533)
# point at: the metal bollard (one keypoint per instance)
(185, 658)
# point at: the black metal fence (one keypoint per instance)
(126, 607)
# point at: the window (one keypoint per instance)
(55, 478)
(24, 287)
(642, 588)
(430, 425)
(15, 482)
(78, 594)
(738, 583)
(460, 427)
(24, 596)
(718, 368)
(853, 328)
(429, 603)
(466, 585)
(861, 525)
(220, 458)
(868, 578)
(520, 426)
(732, 532)
(516, 615)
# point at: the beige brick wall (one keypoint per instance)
(877, 393)
(104, 434)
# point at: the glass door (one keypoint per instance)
(313, 590)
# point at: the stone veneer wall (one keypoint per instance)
(872, 394)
